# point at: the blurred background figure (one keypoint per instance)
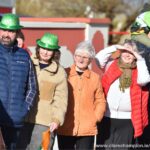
(140, 32)
(21, 41)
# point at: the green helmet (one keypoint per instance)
(143, 20)
(146, 18)
(48, 41)
(10, 22)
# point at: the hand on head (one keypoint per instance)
(130, 49)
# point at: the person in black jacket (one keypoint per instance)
(140, 32)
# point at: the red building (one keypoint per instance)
(6, 6)
(70, 31)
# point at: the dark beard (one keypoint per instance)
(6, 41)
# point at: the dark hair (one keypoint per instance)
(130, 41)
(57, 56)
(20, 35)
(54, 57)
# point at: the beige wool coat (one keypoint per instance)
(51, 103)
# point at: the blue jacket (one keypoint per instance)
(17, 85)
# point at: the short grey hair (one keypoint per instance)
(86, 46)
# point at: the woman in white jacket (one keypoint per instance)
(123, 82)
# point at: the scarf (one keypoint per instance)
(125, 78)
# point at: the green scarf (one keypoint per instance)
(125, 79)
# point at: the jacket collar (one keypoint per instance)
(73, 72)
(52, 68)
(12, 48)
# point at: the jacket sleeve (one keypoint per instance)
(143, 76)
(31, 86)
(60, 100)
(100, 102)
(104, 55)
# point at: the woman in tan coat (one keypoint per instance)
(51, 104)
(86, 103)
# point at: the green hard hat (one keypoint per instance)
(10, 22)
(146, 18)
(48, 41)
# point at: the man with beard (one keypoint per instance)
(17, 81)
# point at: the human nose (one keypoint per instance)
(45, 51)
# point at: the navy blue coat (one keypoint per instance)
(14, 76)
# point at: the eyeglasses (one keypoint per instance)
(82, 57)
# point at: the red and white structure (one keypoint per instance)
(6, 6)
(70, 31)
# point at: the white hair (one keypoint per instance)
(86, 46)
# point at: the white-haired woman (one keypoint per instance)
(86, 103)
(123, 82)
